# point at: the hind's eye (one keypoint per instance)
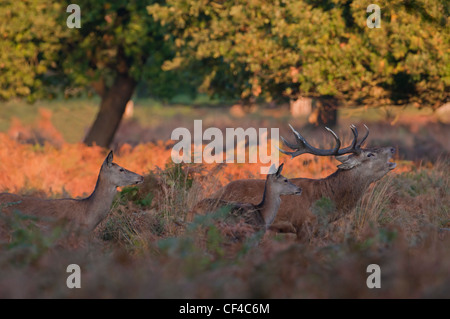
(370, 154)
(285, 180)
(122, 170)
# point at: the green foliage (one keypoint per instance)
(120, 229)
(203, 246)
(431, 184)
(201, 236)
(131, 194)
(208, 219)
(384, 237)
(175, 181)
(114, 37)
(422, 182)
(30, 41)
(177, 175)
(28, 242)
(323, 208)
(238, 49)
(41, 57)
(290, 48)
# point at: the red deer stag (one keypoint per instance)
(358, 169)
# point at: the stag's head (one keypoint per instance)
(370, 163)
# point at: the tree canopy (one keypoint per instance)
(117, 45)
(30, 46)
(252, 49)
(291, 48)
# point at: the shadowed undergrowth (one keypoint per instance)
(146, 248)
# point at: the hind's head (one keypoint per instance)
(280, 185)
(117, 175)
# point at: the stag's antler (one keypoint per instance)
(303, 146)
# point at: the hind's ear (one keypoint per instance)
(272, 169)
(280, 168)
(348, 161)
(109, 159)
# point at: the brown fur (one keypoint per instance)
(344, 187)
(84, 213)
(259, 216)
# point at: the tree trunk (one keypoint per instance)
(112, 107)
(324, 112)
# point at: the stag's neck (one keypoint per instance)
(269, 205)
(99, 203)
(343, 187)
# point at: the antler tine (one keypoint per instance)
(292, 154)
(351, 147)
(338, 141)
(360, 143)
(297, 134)
(285, 152)
(355, 135)
(285, 142)
(303, 146)
(355, 147)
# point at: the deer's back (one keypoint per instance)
(235, 212)
(293, 209)
(68, 208)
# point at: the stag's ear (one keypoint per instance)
(348, 161)
(280, 168)
(109, 159)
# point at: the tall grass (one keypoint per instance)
(372, 208)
